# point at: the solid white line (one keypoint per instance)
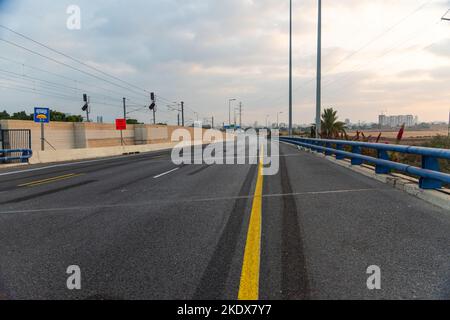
(180, 201)
(61, 165)
(165, 173)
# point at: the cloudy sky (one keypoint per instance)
(378, 56)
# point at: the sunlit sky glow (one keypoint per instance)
(207, 51)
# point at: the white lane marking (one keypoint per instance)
(181, 201)
(165, 173)
(71, 164)
(61, 165)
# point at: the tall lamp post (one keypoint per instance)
(278, 119)
(290, 67)
(319, 72)
(445, 18)
(229, 110)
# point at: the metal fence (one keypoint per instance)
(15, 139)
(430, 175)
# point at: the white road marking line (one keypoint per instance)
(181, 201)
(165, 173)
(62, 165)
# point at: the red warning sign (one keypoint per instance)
(121, 124)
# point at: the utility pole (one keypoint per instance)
(86, 106)
(449, 124)
(125, 108)
(154, 111)
(152, 106)
(212, 123)
(182, 113)
(229, 110)
(278, 119)
(290, 67)
(240, 115)
(319, 72)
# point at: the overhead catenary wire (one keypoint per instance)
(64, 64)
(349, 56)
(382, 55)
(140, 92)
(72, 58)
(48, 93)
(55, 85)
(76, 81)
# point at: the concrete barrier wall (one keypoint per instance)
(92, 153)
(60, 135)
(52, 156)
(67, 136)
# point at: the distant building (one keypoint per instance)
(397, 121)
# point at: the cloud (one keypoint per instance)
(204, 52)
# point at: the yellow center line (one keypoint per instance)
(50, 180)
(249, 285)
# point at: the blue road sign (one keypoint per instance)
(42, 115)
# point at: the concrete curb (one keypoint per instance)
(398, 181)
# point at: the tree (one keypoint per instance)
(331, 127)
(132, 121)
(4, 115)
(74, 119)
(22, 115)
(57, 116)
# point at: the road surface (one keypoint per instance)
(140, 227)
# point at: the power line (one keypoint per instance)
(53, 84)
(64, 64)
(373, 40)
(51, 94)
(72, 58)
(381, 35)
(64, 77)
(385, 53)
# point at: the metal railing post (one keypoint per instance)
(430, 163)
(356, 150)
(380, 169)
(339, 147)
(328, 146)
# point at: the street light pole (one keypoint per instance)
(229, 110)
(290, 67)
(125, 108)
(240, 114)
(449, 124)
(278, 119)
(319, 72)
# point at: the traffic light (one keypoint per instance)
(86, 102)
(152, 106)
(152, 96)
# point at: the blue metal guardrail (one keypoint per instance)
(26, 155)
(430, 175)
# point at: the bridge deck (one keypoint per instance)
(182, 235)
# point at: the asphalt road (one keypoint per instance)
(140, 227)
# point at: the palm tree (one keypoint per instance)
(331, 127)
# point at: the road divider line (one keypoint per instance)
(165, 173)
(249, 284)
(50, 180)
